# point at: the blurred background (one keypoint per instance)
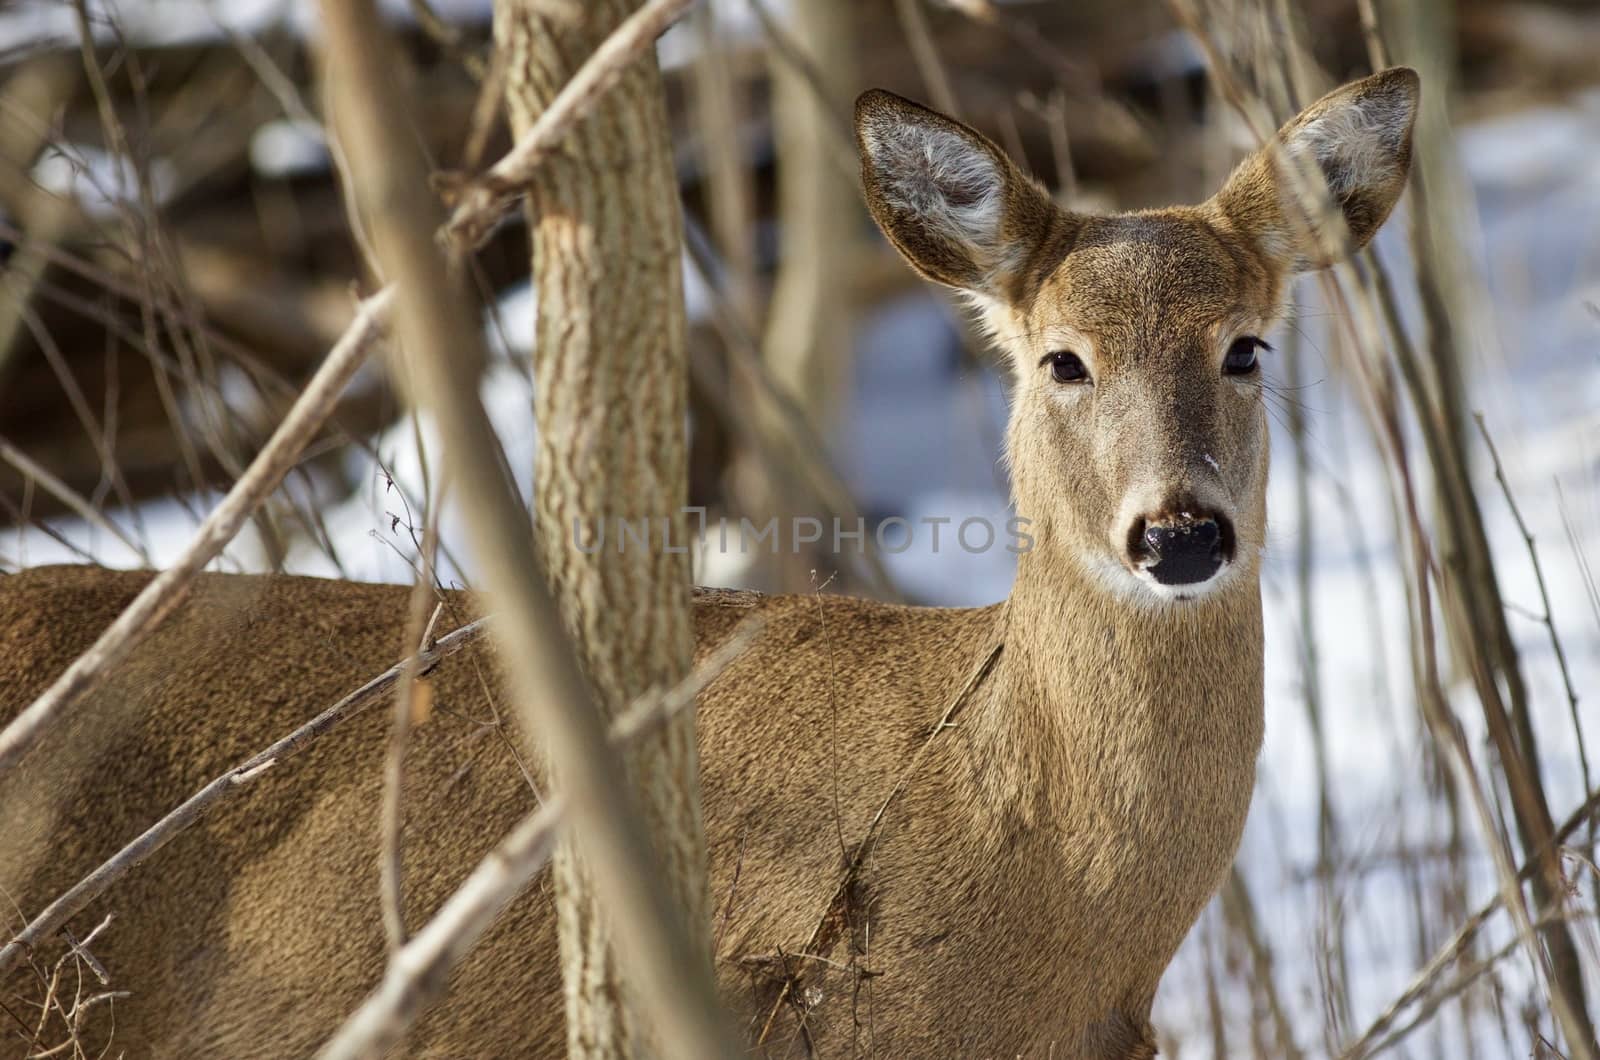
(175, 260)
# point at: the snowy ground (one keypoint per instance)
(923, 437)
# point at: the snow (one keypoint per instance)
(287, 147)
(103, 183)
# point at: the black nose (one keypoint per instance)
(1183, 551)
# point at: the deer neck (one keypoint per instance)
(1102, 691)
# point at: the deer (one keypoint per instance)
(932, 832)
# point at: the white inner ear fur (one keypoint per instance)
(944, 179)
(1355, 145)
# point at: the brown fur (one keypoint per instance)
(1012, 882)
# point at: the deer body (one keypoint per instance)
(932, 832)
(993, 912)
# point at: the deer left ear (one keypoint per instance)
(1359, 139)
(948, 199)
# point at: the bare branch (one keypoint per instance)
(418, 628)
(420, 970)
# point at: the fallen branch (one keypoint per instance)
(202, 802)
(263, 476)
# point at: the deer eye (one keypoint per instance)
(1241, 358)
(1066, 367)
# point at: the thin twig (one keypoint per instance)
(66, 495)
(420, 970)
(839, 901)
(1454, 988)
(1548, 618)
(391, 814)
(282, 88)
(935, 77)
(785, 49)
(789, 443)
(1377, 56)
(448, 37)
(163, 592)
(1457, 596)
(1463, 936)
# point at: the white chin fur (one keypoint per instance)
(1141, 587)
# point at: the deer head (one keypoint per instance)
(1138, 436)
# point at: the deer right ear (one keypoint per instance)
(948, 199)
(1358, 138)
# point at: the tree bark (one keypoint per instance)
(611, 390)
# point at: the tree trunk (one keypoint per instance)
(610, 380)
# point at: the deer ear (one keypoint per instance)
(948, 199)
(1359, 139)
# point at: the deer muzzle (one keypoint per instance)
(1185, 544)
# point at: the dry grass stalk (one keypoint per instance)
(1460, 940)
(1475, 611)
(1472, 972)
(1358, 313)
(1546, 619)
(264, 474)
(1239, 914)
